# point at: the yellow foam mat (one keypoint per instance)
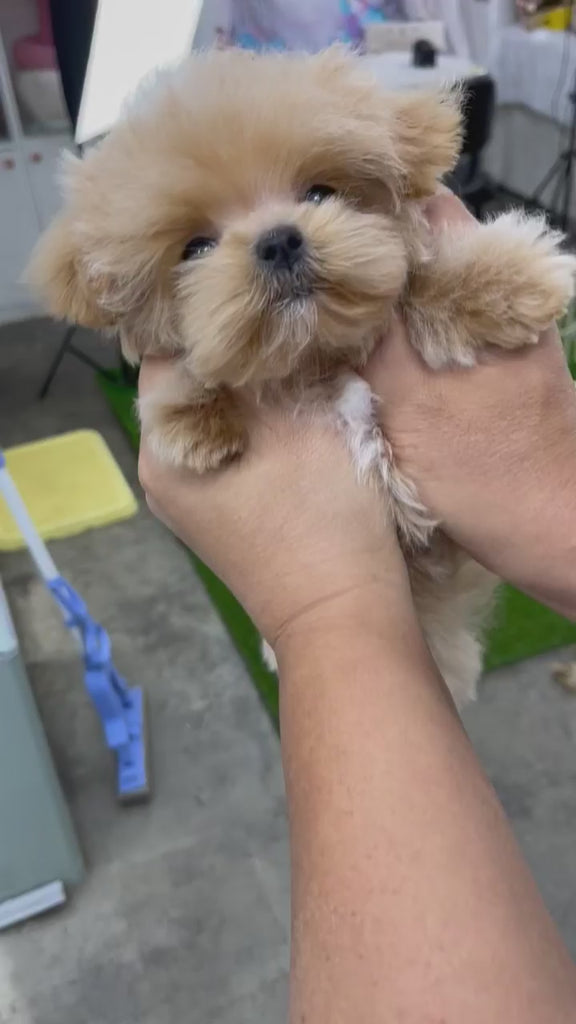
(69, 483)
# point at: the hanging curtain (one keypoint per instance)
(285, 24)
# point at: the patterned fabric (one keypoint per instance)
(285, 24)
(307, 24)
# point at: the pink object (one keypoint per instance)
(37, 53)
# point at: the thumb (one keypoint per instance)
(395, 367)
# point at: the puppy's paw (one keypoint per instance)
(500, 283)
(536, 279)
(201, 437)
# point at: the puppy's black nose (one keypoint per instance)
(281, 248)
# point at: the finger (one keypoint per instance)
(393, 358)
(550, 338)
(155, 371)
(445, 209)
(394, 355)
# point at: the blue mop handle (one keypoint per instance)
(35, 544)
(107, 688)
(119, 706)
(94, 639)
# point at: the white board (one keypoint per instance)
(132, 38)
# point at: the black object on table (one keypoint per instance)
(423, 54)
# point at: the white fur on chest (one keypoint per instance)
(355, 410)
(355, 414)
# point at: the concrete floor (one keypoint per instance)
(184, 914)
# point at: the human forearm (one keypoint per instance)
(393, 823)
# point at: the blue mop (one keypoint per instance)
(120, 707)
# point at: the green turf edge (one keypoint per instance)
(245, 637)
(243, 633)
(521, 627)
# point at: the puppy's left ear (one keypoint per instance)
(56, 273)
(427, 127)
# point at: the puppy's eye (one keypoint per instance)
(198, 247)
(318, 193)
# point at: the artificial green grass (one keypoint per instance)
(521, 627)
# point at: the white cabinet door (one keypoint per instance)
(19, 228)
(44, 157)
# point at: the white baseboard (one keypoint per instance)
(29, 904)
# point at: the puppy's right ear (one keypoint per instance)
(56, 273)
(427, 130)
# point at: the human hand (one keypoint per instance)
(492, 450)
(286, 527)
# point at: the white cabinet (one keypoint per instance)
(29, 195)
(44, 156)
(29, 199)
(18, 230)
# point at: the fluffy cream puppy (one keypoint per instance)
(259, 217)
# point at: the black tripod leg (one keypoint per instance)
(84, 358)
(53, 369)
(563, 167)
(569, 175)
(556, 168)
(129, 373)
(553, 206)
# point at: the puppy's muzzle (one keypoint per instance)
(281, 249)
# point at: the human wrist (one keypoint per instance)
(315, 578)
(349, 621)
